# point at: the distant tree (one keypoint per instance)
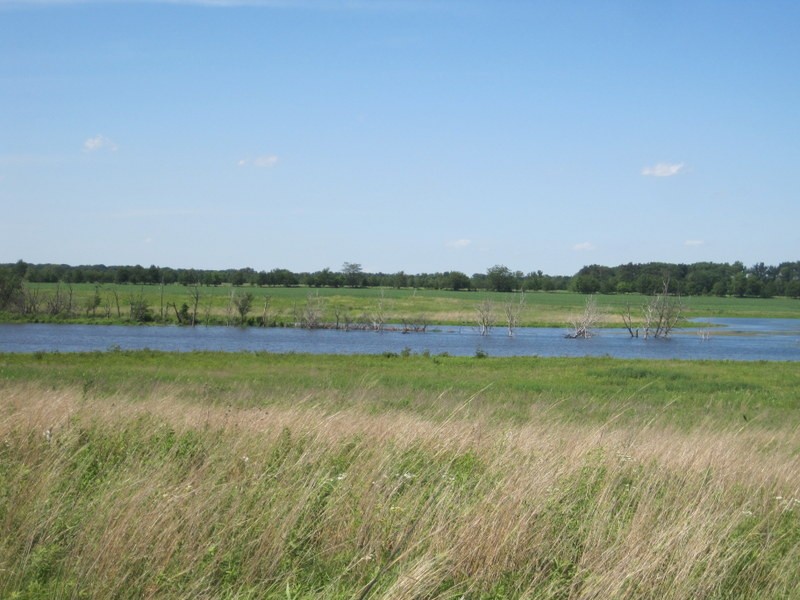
(153, 275)
(324, 278)
(352, 273)
(20, 269)
(238, 278)
(399, 280)
(243, 303)
(585, 284)
(10, 287)
(720, 288)
(456, 280)
(140, 309)
(500, 279)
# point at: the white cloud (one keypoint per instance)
(262, 162)
(693, 243)
(583, 247)
(663, 170)
(462, 243)
(99, 142)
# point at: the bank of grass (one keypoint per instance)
(130, 475)
(284, 305)
(594, 389)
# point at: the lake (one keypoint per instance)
(729, 339)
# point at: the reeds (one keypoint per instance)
(166, 497)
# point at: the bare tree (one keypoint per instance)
(265, 314)
(311, 317)
(161, 308)
(627, 320)
(70, 293)
(512, 310)
(660, 314)
(342, 318)
(116, 300)
(92, 302)
(30, 301)
(379, 314)
(418, 324)
(484, 313)
(583, 325)
(229, 308)
(194, 294)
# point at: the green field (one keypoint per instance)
(211, 475)
(286, 306)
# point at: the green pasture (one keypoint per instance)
(516, 389)
(284, 306)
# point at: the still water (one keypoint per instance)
(729, 339)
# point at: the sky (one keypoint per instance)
(414, 135)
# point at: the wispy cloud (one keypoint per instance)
(693, 243)
(99, 142)
(462, 243)
(262, 162)
(663, 170)
(583, 247)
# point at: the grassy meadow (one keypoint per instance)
(209, 475)
(285, 306)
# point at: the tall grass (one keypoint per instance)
(162, 495)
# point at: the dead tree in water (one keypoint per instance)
(485, 316)
(378, 316)
(660, 314)
(627, 320)
(512, 312)
(582, 326)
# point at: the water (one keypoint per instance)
(732, 339)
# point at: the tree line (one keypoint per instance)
(705, 278)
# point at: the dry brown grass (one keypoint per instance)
(163, 497)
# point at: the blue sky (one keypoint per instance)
(399, 134)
